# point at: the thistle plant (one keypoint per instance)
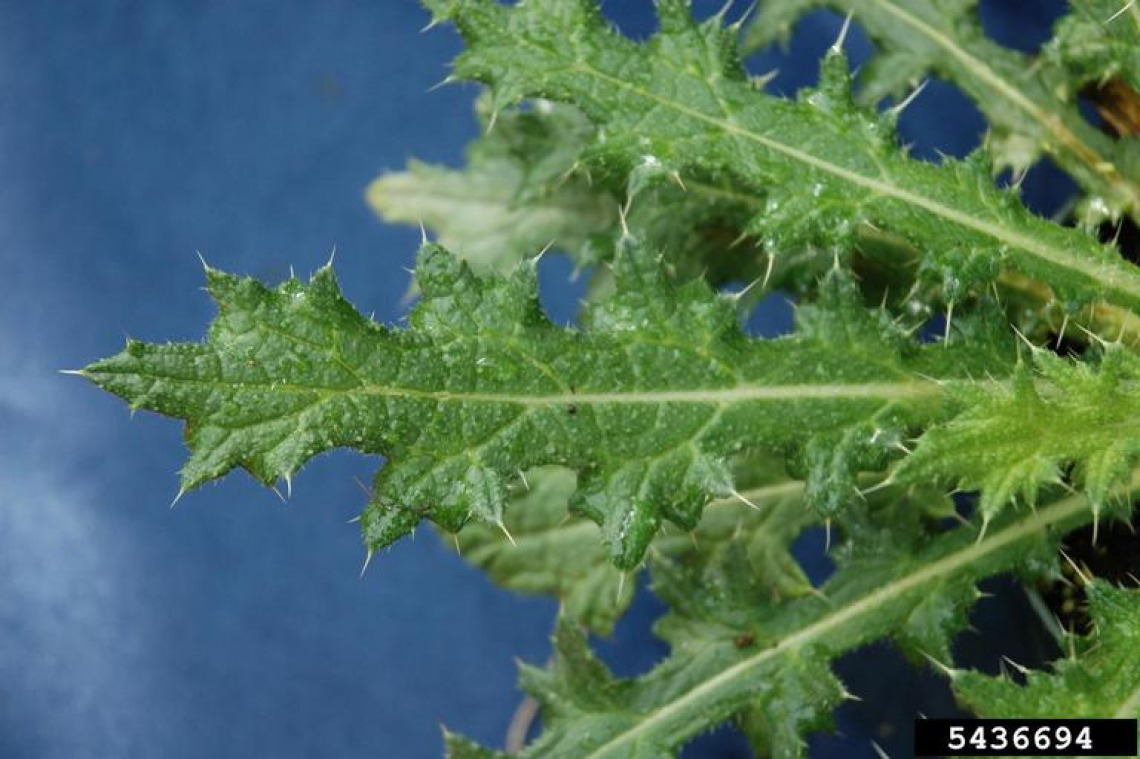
(656, 434)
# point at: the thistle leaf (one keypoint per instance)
(559, 458)
(1031, 109)
(1098, 40)
(826, 166)
(1015, 438)
(518, 193)
(1099, 678)
(646, 405)
(553, 552)
(735, 654)
(525, 187)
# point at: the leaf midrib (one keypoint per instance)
(868, 604)
(1085, 153)
(906, 389)
(1095, 270)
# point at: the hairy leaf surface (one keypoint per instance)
(735, 653)
(647, 403)
(682, 102)
(1030, 108)
(1098, 40)
(551, 551)
(1017, 437)
(1099, 678)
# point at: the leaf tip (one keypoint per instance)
(437, 270)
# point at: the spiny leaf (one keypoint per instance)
(525, 187)
(551, 551)
(736, 654)
(1098, 40)
(518, 193)
(1030, 108)
(519, 173)
(826, 166)
(1015, 438)
(698, 227)
(761, 522)
(801, 697)
(647, 404)
(1099, 678)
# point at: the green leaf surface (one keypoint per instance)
(527, 186)
(1100, 676)
(458, 747)
(646, 404)
(1015, 438)
(682, 101)
(1098, 40)
(735, 654)
(546, 549)
(518, 193)
(1031, 109)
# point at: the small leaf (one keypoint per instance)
(1015, 438)
(1098, 40)
(518, 193)
(1101, 677)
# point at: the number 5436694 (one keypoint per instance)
(999, 738)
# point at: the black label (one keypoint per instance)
(1025, 737)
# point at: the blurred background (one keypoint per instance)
(133, 134)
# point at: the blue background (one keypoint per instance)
(133, 134)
